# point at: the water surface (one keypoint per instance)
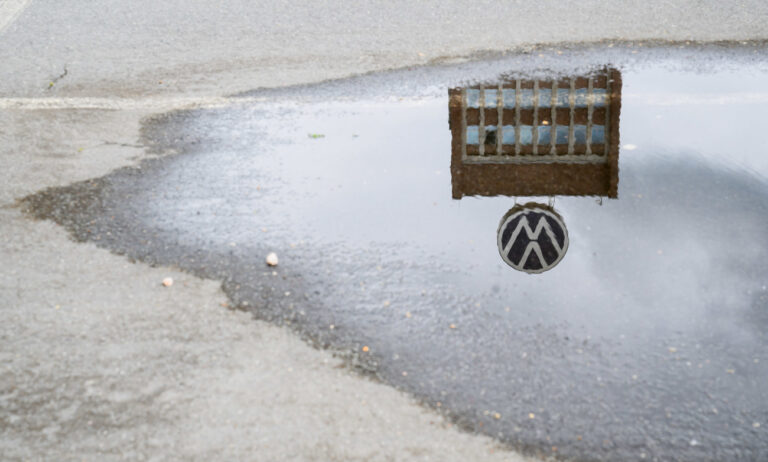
(647, 340)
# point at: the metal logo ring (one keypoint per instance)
(532, 238)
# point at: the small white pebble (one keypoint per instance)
(272, 259)
(168, 282)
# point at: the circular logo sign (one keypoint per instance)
(532, 238)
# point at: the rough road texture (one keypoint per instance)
(98, 360)
(197, 47)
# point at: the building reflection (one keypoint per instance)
(537, 137)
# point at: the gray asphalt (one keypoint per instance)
(193, 47)
(646, 342)
(101, 362)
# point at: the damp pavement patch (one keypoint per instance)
(645, 342)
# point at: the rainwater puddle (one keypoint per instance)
(602, 301)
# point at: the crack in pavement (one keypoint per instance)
(56, 79)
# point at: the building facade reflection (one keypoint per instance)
(536, 138)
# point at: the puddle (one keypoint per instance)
(406, 234)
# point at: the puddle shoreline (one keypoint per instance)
(382, 270)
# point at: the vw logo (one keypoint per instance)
(532, 238)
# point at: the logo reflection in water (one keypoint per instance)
(557, 137)
(532, 238)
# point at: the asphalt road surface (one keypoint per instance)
(195, 137)
(646, 342)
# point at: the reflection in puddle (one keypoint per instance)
(532, 238)
(646, 341)
(536, 138)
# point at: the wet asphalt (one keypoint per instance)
(646, 342)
